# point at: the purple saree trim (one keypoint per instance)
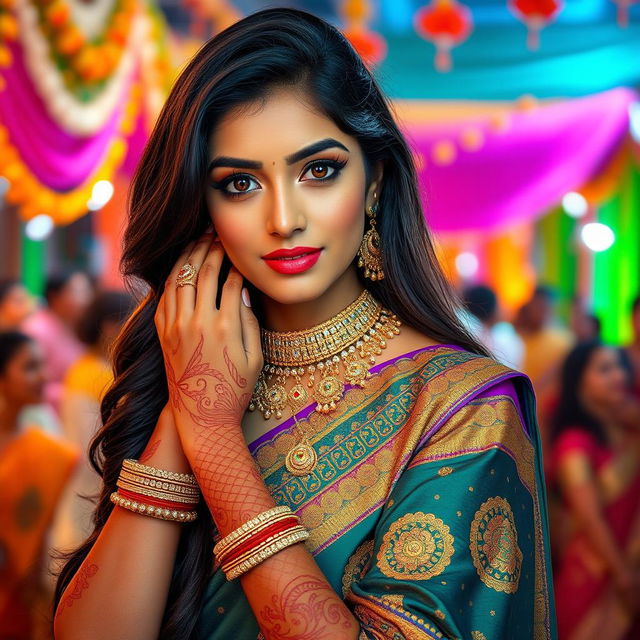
(304, 413)
(470, 395)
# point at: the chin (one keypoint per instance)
(293, 292)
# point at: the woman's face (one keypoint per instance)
(283, 176)
(604, 381)
(23, 380)
(15, 307)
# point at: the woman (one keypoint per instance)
(417, 490)
(33, 470)
(15, 304)
(597, 470)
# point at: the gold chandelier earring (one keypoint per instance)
(370, 252)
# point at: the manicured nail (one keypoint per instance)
(245, 297)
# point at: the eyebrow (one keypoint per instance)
(243, 163)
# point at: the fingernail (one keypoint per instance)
(245, 297)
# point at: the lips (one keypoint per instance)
(291, 261)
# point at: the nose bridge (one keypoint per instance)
(284, 216)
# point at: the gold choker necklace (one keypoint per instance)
(349, 341)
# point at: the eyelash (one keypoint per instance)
(335, 164)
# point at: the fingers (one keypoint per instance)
(250, 330)
(186, 294)
(230, 304)
(208, 281)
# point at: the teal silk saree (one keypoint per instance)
(427, 508)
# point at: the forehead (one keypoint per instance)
(283, 121)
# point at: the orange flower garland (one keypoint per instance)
(86, 64)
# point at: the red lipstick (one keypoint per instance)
(291, 261)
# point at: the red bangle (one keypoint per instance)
(156, 502)
(258, 538)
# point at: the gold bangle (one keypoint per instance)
(249, 526)
(153, 511)
(226, 567)
(143, 469)
(163, 495)
(159, 484)
(224, 550)
(276, 547)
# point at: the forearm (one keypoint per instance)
(120, 590)
(288, 593)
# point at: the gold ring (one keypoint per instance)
(188, 274)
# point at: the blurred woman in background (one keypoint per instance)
(596, 467)
(34, 468)
(16, 304)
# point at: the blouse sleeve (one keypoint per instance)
(459, 549)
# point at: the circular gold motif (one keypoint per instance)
(417, 546)
(301, 460)
(298, 396)
(478, 635)
(328, 388)
(356, 372)
(494, 546)
(357, 565)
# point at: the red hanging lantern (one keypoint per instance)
(536, 14)
(447, 24)
(371, 46)
(623, 11)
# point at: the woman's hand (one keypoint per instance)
(212, 356)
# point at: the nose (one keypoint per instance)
(285, 217)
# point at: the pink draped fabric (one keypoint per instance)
(521, 172)
(59, 160)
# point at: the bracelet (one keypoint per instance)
(269, 551)
(159, 512)
(157, 484)
(249, 527)
(286, 524)
(257, 548)
(226, 546)
(152, 472)
(151, 501)
(163, 495)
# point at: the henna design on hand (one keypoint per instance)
(237, 378)
(302, 610)
(80, 585)
(149, 451)
(214, 402)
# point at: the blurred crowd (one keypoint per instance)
(54, 369)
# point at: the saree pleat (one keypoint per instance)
(427, 508)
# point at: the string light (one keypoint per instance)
(597, 236)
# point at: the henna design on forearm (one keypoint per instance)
(149, 451)
(305, 609)
(80, 585)
(215, 402)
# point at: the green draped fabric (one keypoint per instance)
(427, 508)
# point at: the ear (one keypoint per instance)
(375, 186)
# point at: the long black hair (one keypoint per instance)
(570, 411)
(167, 209)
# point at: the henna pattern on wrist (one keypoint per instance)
(80, 585)
(305, 609)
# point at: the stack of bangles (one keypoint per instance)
(258, 539)
(157, 493)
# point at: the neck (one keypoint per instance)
(303, 315)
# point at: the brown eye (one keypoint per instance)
(241, 184)
(319, 171)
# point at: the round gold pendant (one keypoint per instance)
(301, 460)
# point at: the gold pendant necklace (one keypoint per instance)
(338, 351)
